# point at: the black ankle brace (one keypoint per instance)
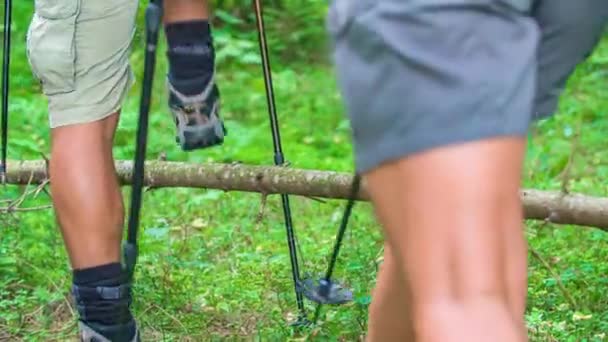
(106, 305)
(190, 52)
(103, 296)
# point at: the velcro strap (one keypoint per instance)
(101, 302)
(101, 292)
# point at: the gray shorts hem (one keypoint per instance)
(390, 150)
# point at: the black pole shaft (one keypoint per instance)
(343, 224)
(154, 13)
(279, 158)
(8, 10)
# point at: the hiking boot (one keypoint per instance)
(196, 116)
(90, 333)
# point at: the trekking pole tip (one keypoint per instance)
(325, 291)
(301, 322)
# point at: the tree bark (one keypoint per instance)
(551, 206)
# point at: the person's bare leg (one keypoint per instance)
(516, 261)
(388, 311)
(86, 193)
(447, 212)
(90, 211)
(185, 10)
(85, 75)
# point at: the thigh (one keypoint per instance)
(570, 31)
(417, 75)
(79, 49)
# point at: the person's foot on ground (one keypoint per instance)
(102, 296)
(194, 98)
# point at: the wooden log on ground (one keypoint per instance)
(552, 206)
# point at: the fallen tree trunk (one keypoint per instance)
(549, 206)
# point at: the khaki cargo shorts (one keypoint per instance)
(79, 51)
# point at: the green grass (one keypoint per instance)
(211, 269)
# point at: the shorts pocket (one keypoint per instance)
(51, 49)
(56, 9)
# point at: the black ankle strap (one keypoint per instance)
(102, 292)
(103, 303)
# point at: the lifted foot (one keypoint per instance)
(196, 116)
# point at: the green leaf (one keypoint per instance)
(227, 17)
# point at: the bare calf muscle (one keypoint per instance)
(86, 194)
(475, 320)
(444, 210)
(389, 311)
(516, 253)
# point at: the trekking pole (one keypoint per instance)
(279, 158)
(8, 10)
(324, 291)
(154, 13)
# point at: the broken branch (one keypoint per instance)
(550, 206)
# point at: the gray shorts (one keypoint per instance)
(420, 74)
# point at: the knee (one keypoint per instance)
(476, 318)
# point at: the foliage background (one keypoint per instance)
(212, 269)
